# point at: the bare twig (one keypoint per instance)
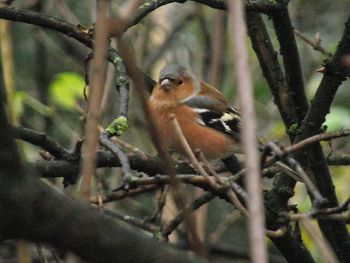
(99, 67)
(110, 145)
(250, 144)
(177, 189)
(230, 193)
(188, 210)
(318, 199)
(316, 138)
(115, 196)
(217, 48)
(133, 221)
(161, 200)
(315, 43)
(310, 141)
(190, 153)
(224, 224)
(334, 213)
(323, 246)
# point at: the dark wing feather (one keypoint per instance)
(227, 121)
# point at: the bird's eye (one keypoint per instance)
(180, 82)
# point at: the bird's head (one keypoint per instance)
(177, 82)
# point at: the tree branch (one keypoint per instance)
(250, 5)
(77, 228)
(73, 31)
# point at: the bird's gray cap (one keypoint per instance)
(173, 72)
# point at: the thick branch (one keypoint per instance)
(289, 51)
(63, 223)
(334, 75)
(335, 231)
(42, 140)
(271, 68)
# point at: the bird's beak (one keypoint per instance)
(166, 84)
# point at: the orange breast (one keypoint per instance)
(212, 143)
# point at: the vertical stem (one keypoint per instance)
(250, 143)
(217, 48)
(8, 67)
(7, 61)
(97, 83)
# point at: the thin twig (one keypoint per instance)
(250, 143)
(97, 81)
(230, 193)
(133, 221)
(331, 213)
(115, 196)
(177, 189)
(315, 43)
(324, 247)
(316, 138)
(318, 199)
(161, 200)
(310, 141)
(110, 145)
(188, 210)
(190, 153)
(224, 224)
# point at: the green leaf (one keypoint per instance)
(66, 89)
(338, 118)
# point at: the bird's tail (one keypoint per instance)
(289, 171)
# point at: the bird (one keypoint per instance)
(207, 121)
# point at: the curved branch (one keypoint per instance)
(77, 227)
(73, 31)
(34, 18)
(250, 5)
(44, 141)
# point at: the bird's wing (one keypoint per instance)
(227, 121)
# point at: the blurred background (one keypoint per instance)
(48, 84)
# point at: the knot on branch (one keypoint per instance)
(339, 67)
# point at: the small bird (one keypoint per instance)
(206, 120)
